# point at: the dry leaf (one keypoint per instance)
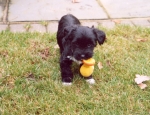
(142, 85)
(100, 66)
(108, 63)
(4, 53)
(10, 83)
(56, 46)
(117, 21)
(30, 76)
(45, 53)
(141, 40)
(75, 1)
(141, 78)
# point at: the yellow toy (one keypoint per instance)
(87, 68)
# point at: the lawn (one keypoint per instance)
(30, 80)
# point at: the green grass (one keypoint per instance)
(30, 80)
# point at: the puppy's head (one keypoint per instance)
(83, 40)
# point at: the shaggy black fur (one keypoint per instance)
(75, 41)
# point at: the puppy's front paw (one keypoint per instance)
(90, 81)
(66, 83)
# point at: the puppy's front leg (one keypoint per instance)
(66, 73)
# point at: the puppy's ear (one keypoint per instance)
(100, 35)
(67, 32)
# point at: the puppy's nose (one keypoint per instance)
(82, 56)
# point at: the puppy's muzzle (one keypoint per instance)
(82, 56)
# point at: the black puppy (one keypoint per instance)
(76, 43)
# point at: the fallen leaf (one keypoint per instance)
(56, 46)
(44, 53)
(100, 66)
(117, 21)
(11, 83)
(142, 85)
(108, 63)
(141, 40)
(33, 45)
(75, 1)
(4, 53)
(30, 76)
(141, 78)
